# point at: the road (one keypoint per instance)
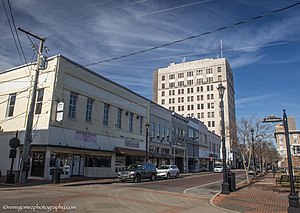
(185, 194)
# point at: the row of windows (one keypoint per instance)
(106, 111)
(189, 99)
(188, 90)
(159, 132)
(11, 103)
(190, 82)
(191, 73)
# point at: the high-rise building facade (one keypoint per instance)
(190, 89)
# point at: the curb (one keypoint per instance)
(211, 202)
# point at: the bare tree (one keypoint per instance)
(261, 132)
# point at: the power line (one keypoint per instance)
(11, 29)
(195, 36)
(13, 20)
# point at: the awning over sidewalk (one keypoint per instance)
(168, 156)
(130, 152)
(156, 155)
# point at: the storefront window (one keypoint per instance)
(98, 161)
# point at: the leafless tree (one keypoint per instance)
(261, 133)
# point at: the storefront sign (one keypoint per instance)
(85, 136)
(131, 143)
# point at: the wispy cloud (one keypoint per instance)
(253, 99)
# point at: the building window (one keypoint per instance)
(213, 124)
(180, 83)
(181, 75)
(162, 101)
(202, 106)
(89, 109)
(212, 105)
(199, 72)
(39, 101)
(170, 92)
(219, 77)
(172, 84)
(190, 82)
(163, 78)
(202, 114)
(163, 86)
(158, 131)
(212, 114)
(152, 129)
(210, 79)
(163, 93)
(182, 108)
(72, 105)
(209, 71)
(106, 114)
(172, 76)
(208, 96)
(189, 74)
(202, 97)
(131, 122)
(179, 108)
(211, 96)
(11, 105)
(119, 118)
(219, 69)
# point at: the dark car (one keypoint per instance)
(138, 171)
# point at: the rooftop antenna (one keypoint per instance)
(221, 47)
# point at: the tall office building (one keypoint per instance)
(190, 89)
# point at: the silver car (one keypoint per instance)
(167, 171)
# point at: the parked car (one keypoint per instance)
(251, 171)
(138, 172)
(167, 171)
(218, 169)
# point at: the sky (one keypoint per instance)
(264, 53)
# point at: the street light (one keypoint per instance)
(225, 184)
(253, 157)
(214, 159)
(193, 139)
(147, 132)
(293, 197)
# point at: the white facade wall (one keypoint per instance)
(71, 137)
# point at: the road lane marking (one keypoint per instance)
(207, 184)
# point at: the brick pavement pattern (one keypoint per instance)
(260, 196)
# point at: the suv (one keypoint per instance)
(137, 172)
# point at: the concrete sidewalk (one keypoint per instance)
(260, 196)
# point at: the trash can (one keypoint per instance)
(55, 175)
(231, 181)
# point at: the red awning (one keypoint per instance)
(130, 152)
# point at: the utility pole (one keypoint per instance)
(28, 132)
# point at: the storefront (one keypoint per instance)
(71, 161)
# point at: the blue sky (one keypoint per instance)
(264, 54)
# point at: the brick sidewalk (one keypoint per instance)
(260, 196)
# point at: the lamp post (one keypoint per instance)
(147, 132)
(225, 184)
(294, 205)
(214, 159)
(193, 139)
(253, 156)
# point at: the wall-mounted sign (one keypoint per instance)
(132, 143)
(60, 111)
(85, 136)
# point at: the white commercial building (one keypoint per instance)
(83, 123)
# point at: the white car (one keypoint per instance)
(218, 169)
(167, 171)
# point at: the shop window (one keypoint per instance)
(98, 161)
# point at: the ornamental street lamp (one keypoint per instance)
(253, 157)
(294, 205)
(193, 139)
(225, 184)
(147, 132)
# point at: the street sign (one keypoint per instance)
(14, 143)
